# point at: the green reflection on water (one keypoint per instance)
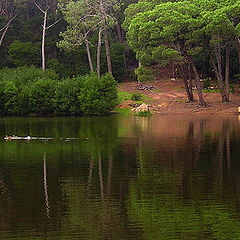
(123, 178)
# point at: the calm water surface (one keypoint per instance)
(164, 177)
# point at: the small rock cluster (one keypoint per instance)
(142, 108)
(142, 87)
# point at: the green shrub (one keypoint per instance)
(144, 74)
(41, 96)
(98, 96)
(144, 114)
(25, 75)
(136, 97)
(66, 96)
(10, 98)
(23, 54)
(2, 98)
(23, 101)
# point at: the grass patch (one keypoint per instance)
(122, 111)
(158, 90)
(122, 96)
(210, 90)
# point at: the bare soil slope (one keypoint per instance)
(169, 97)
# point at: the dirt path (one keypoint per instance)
(169, 97)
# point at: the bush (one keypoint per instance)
(66, 96)
(2, 99)
(10, 98)
(41, 96)
(26, 75)
(23, 54)
(23, 101)
(144, 74)
(98, 96)
(136, 97)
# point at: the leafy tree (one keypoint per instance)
(85, 17)
(164, 35)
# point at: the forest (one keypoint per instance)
(52, 52)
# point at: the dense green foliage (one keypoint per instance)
(98, 96)
(199, 39)
(26, 91)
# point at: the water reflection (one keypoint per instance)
(126, 178)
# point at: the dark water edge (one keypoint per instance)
(164, 177)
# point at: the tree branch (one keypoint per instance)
(40, 7)
(54, 23)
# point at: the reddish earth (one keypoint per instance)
(169, 97)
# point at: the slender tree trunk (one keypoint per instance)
(99, 53)
(5, 29)
(238, 47)
(109, 64)
(43, 40)
(202, 103)
(190, 78)
(219, 70)
(227, 71)
(219, 79)
(89, 55)
(120, 39)
(184, 77)
(3, 34)
(119, 33)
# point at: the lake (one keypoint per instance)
(117, 177)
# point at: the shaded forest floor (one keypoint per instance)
(169, 97)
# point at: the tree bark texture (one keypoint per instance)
(43, 40)
(89, 55)
(109, 63)
(202, 103)
(187, 87)
(227, 64)
(238, 47)
(219, 74)
(99, 53)
(5, 29)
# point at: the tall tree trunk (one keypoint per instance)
(119, 33)
(219, 79)
(99, 53)
(202, 103)
(238, 48)
(227, 71)
(109, 64)
(184, 77)
(43, 40)
(219, 70)
(88, 54)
